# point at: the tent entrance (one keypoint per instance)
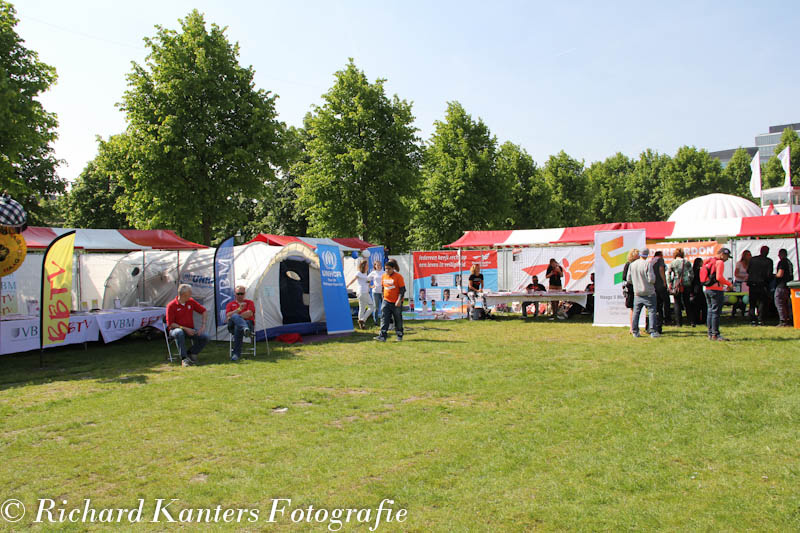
(294, 290)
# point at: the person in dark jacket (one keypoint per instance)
(697, 298)
(759, 275)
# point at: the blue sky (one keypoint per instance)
(591, 78)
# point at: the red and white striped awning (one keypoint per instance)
(110, 240)
(762, 226)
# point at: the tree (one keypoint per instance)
(531, 196)
(363, 162)
(202, 137)
(461, 186)
(27, 163)
(90, 202)
(689, 174)
(567, 179)
(774, 175)
(644, 187)
(737, 173)
(607, 183)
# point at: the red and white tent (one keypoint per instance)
(762, 226)
(350, 244)
(110, 240)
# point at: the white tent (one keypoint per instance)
(714, 207)
(283, 304)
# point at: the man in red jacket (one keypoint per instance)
(180, 324)
(715, 294)
(241, 320)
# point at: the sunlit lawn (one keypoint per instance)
(486, 426)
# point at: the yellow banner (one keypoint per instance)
(57, 289)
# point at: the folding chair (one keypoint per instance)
(246, 340)
(168, 339)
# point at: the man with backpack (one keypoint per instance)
(681, 275)
(784, 275)
(759, 273)
(712, 275)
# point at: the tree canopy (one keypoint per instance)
(362, 161)
(27, 163)
(201, 135)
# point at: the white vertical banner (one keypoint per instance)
(785, 158)
(611, 250)
(755, 176)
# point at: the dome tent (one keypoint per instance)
(713, 207)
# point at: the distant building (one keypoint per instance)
(765, 144)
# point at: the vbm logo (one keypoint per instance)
(329, 259)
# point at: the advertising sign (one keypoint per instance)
(56, 290)
(439, 280)
(334, 292)
(611, 250)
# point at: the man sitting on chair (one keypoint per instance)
(180, 323)
(240, 314)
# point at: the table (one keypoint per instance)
(20, 333)
(494, 298)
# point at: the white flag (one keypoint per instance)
(785, 160)
(755, 176)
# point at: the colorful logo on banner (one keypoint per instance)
(439, 280)
(56, 290)
(617, 260)
(577, 270)
(224, 278)
(334, 292)
(613, 247)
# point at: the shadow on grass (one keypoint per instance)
(130, 360)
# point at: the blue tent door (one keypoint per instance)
(294, 289)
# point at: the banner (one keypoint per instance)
(611, 250)
(56, 290)
(701, 249)
(334, 292)
(9, 301)
(224, 280)
(376, 253)
(439, 282)
(755, 176)
(577, 262)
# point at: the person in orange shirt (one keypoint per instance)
(394, 289)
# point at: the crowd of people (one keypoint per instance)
(700, 296)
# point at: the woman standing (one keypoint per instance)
(697, 296)
(364, 300)
(633, 255)
(377, 290)
(740, 281)
(553, 275)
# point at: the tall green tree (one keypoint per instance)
(90, 202)
(774, 174)
(531, 196)
(27, 163)
(689, 174)
(570, 186)
(644, 187)
(362, 162)
(461, 187)
(609, 200)
(737, 173)
(202, 136)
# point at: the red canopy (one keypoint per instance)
(480, 238)
(159, 239)
(788, 224)
(273, 240)
(585, 234)
(354, 242)
(283, 240)
(38, 237)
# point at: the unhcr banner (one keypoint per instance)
(376, 253)
(334, 292)
(56, 290)
(611, 253)
(224, 280)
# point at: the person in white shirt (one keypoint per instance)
(375, 278)
(364, 299)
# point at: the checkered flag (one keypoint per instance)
(11, 213)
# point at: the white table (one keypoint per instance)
(494, 298)
(20, 333)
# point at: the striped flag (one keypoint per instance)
(755, 176)
(785, 159)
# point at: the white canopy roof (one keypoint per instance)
(713, 207)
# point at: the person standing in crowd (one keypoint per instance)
(697, 300)
(740, 281)
(759, 274)
(662, 294)
(394, 290)
(240, 315)
(784, 274)
(715, 293)
(627, 290)
(533, 286)
(375, 278)
(590, 297)
(680, 285)
(364, 297)
(553, 276)
(180, 324)
(643, 278)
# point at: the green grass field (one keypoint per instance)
(491, 426)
